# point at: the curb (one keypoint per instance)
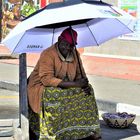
(8, 56)
(9, 86)
(121, 107)
(106, 106)
(111, 56)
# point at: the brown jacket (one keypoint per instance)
(50, 71)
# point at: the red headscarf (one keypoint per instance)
(66, 35)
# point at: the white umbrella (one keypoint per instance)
(95, 22)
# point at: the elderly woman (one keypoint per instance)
(62, 105)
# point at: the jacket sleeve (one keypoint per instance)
(47, 71)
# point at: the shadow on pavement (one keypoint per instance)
(109, 133)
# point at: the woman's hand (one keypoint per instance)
(83, 82)
(87, 90)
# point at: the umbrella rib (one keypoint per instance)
(53, 36)
(92, 35)
(125, 25)
(18, 43)
(115, 10)
(119, 21)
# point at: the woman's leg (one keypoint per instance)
(33, 118)
(32, 135)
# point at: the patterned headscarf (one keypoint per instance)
(66, 35)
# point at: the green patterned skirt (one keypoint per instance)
(67, 114)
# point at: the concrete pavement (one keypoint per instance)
(115, 81)
(109, 93)
(9, 117)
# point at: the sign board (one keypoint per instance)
(133, 8)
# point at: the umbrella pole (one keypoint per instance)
(78, 62)
(76, 53)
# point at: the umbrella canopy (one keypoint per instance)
(95, 22)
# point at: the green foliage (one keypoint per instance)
(28, 9)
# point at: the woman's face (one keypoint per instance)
(65, 48)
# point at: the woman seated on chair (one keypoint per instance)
(62, 104)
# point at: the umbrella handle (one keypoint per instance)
(76, 53)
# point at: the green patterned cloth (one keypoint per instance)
(67, 114)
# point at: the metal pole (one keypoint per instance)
(23, 112)
(23, 102)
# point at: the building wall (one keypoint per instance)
(116, 46)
